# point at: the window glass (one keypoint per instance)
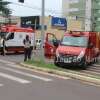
(74, 41)
(73, 1)
(10, 36)
(51, 39)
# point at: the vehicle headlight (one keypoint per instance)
(81, 55)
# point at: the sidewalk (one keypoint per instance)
(93, 80)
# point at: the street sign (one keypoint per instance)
(59, 22)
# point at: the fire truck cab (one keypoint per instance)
(75, 48)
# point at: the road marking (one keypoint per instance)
(98, 65)
(37, 71)
(7, 62)
(14, 78)
(27, 74)
(90, 84)
(1, 85)
(40, 72)
(11, 64)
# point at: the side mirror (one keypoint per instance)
(55, 43)
(91, 45)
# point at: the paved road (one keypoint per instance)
(18, 57)
(21, 84)
(13, 57)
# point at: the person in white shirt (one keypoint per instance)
(27, 47)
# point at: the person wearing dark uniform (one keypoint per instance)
(2, 40)
(27, 48)
(3, 51)
(3, 46)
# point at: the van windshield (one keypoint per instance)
(74, 41)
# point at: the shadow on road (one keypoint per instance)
(19, 53)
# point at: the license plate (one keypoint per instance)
(67, 60)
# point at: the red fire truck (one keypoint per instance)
(75, 48)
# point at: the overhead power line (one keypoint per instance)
(37, 8)
(49, 10)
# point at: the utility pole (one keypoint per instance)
(42, 29)
(35, 23)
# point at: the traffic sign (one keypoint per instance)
(59, 22)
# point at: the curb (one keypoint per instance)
(97, 65)
(65, 74)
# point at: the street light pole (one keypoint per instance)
(42, 29)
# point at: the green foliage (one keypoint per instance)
(4, 9)
(41, 63)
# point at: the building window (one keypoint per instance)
(98, 19)
(73, 9)
(72, 17)
(73, 1)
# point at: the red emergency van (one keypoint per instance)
(75, 48)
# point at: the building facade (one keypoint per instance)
(9, 20)
(85, 11)
(35, 23)
(55, 25)
(50, 29)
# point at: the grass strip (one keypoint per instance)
(42, 64)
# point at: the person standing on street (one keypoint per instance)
(3, 49)
(2, 39)
(27, 48)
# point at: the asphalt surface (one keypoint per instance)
(22, 84)
(19, 57)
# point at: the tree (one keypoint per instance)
(4, 9)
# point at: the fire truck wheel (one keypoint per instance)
(84, 64)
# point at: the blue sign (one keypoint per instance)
(59, 22)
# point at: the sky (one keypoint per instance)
(33, 7)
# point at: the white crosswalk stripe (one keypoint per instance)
(6, 62)
(44, 73)
(1, 85)
(27, 74)
(11, 67)
(14, 78)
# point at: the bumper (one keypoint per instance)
(68, 61)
